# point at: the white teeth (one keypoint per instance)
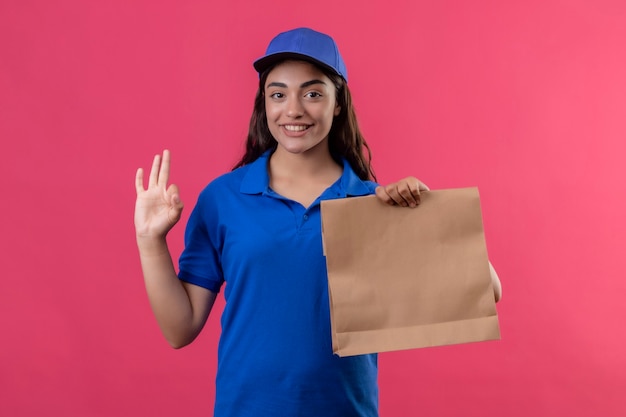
(296, 128)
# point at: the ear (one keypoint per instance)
(337, 110)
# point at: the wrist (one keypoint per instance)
(152, 245)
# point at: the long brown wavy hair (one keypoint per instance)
(344, 139)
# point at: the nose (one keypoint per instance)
(294, 108)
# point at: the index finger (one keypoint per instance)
(153, 179)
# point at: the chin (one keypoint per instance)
(301, 147)
(295, 148)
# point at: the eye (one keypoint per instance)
(313, 94)
(277, 95)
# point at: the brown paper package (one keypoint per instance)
(403, 278)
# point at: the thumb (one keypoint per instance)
(176, 202)
(174, 199)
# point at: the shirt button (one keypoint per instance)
(305, 217)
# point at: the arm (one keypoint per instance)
(497, 286)
(181, 309)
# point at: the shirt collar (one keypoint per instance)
(352, 185)
(256, 180)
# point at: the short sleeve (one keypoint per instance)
(200, 263)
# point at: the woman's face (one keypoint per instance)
(300, 104)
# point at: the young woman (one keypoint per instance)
(257, 230)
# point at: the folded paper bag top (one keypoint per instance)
(403, 278)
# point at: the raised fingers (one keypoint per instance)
(139, 181)
(160, 171)
(164, 172)
(153, 180)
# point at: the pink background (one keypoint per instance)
(524, 99)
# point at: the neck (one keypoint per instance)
(302, 164)
(302, 177)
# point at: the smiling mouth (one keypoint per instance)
(296, 128)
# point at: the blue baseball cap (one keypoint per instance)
(303, 44)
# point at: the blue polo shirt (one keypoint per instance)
(275, 352)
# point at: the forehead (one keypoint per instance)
(296, 72)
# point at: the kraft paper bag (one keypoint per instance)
(404, 278)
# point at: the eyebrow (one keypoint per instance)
(303, 85)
